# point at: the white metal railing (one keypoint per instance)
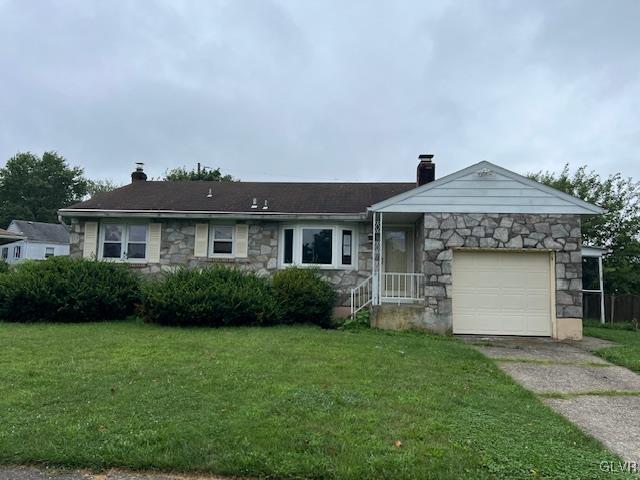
(361, 295)
(394, 287)
(402, 287)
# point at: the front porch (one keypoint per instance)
(397, 276)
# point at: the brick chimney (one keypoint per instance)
(426, 169)
(138, 175)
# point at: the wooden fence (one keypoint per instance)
(617, 308)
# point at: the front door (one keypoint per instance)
(397, 257)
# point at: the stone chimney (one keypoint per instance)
(426, 169)
(138, 175)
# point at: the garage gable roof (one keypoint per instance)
(486, 188)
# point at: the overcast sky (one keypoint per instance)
(322, 90)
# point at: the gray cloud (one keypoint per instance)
(321, 90)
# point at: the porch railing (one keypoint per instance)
(394, 288)
(362, 295)
(402, 287)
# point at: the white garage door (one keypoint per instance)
(501, 293)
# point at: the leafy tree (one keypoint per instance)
(211, 175)
(95, 187)
(34, 188)
(618, 229)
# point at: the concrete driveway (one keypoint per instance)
(601, 398)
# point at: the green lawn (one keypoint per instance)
(283, 402)
(627, 353)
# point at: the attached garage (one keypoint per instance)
(502, 292)
(501, 254)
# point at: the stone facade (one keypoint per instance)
(444, 232)
(76, 238)
(438, 234)
(178, 244)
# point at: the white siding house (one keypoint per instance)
(40, 241)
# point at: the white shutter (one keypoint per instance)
(90, 247)
(202, 240)
(155, 233)
(242, 240)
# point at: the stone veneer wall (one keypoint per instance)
(76, 238)
(178, 243)
(444, 231)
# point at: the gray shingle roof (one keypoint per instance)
(41, 232)
(297, 198)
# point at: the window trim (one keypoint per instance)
(17, 252)
(212, 229)
(336, 246)
(124, 241)
(5, 253)
(46, 252)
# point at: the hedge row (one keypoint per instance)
(62, 289)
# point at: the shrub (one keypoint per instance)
(63, 289)
(304, 296)
(213, 296)
(4, 266)
(358, 322)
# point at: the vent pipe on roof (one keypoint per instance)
(138, 175)
(426, 172)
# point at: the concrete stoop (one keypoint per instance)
(406, 316)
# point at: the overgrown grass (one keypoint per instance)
(627, 353)
(293, 402)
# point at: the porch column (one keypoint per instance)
(600, 277)
(376, 266)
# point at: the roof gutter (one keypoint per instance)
(86, 212)
(5, 239)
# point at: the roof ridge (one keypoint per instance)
(271, 183)
(36, 221)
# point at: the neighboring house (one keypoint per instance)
(38, 241)
(481, 251)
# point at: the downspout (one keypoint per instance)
(602, 319)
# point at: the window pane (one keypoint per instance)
(112, 233)
(223, 233)
(5, 252)
(222, 247)
(346, 247)
(137, 233)
(288, 245)
(316, 245)
(48, 252)
(590, 273)
(111, 250)
(136, 250)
